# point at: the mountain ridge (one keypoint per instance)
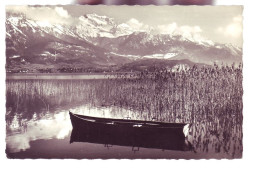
(99, 42)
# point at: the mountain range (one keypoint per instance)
(98, 42)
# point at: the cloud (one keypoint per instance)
(43, 13)
(167, 29)
(234, 29)
(137, 25)
(134, 23)
(190, 32)
(174, 29)
(61, 12)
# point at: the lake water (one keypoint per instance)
(38, 123)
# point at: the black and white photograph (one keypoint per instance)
(124, 82)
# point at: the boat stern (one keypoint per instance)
(186, 130)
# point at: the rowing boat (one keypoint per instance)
(125, 132)
(135, 125)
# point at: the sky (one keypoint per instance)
(221, 24)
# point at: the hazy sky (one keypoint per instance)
(218, 23)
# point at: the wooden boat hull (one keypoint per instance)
(128, 133)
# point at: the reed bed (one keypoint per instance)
(210, 98)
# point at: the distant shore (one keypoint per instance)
(58, 76)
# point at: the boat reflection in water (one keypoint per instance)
(132, 133)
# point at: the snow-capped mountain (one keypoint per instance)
(145, 45)
(95, 40)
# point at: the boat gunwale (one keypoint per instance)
(105, 121)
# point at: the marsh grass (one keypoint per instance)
(210, 98)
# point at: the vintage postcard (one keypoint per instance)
(124, 82)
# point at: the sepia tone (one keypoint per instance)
(124, 82)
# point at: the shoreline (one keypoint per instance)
(58, 76)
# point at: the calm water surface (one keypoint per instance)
(38, 123)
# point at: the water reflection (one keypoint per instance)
(20, 134)
(37, 112)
